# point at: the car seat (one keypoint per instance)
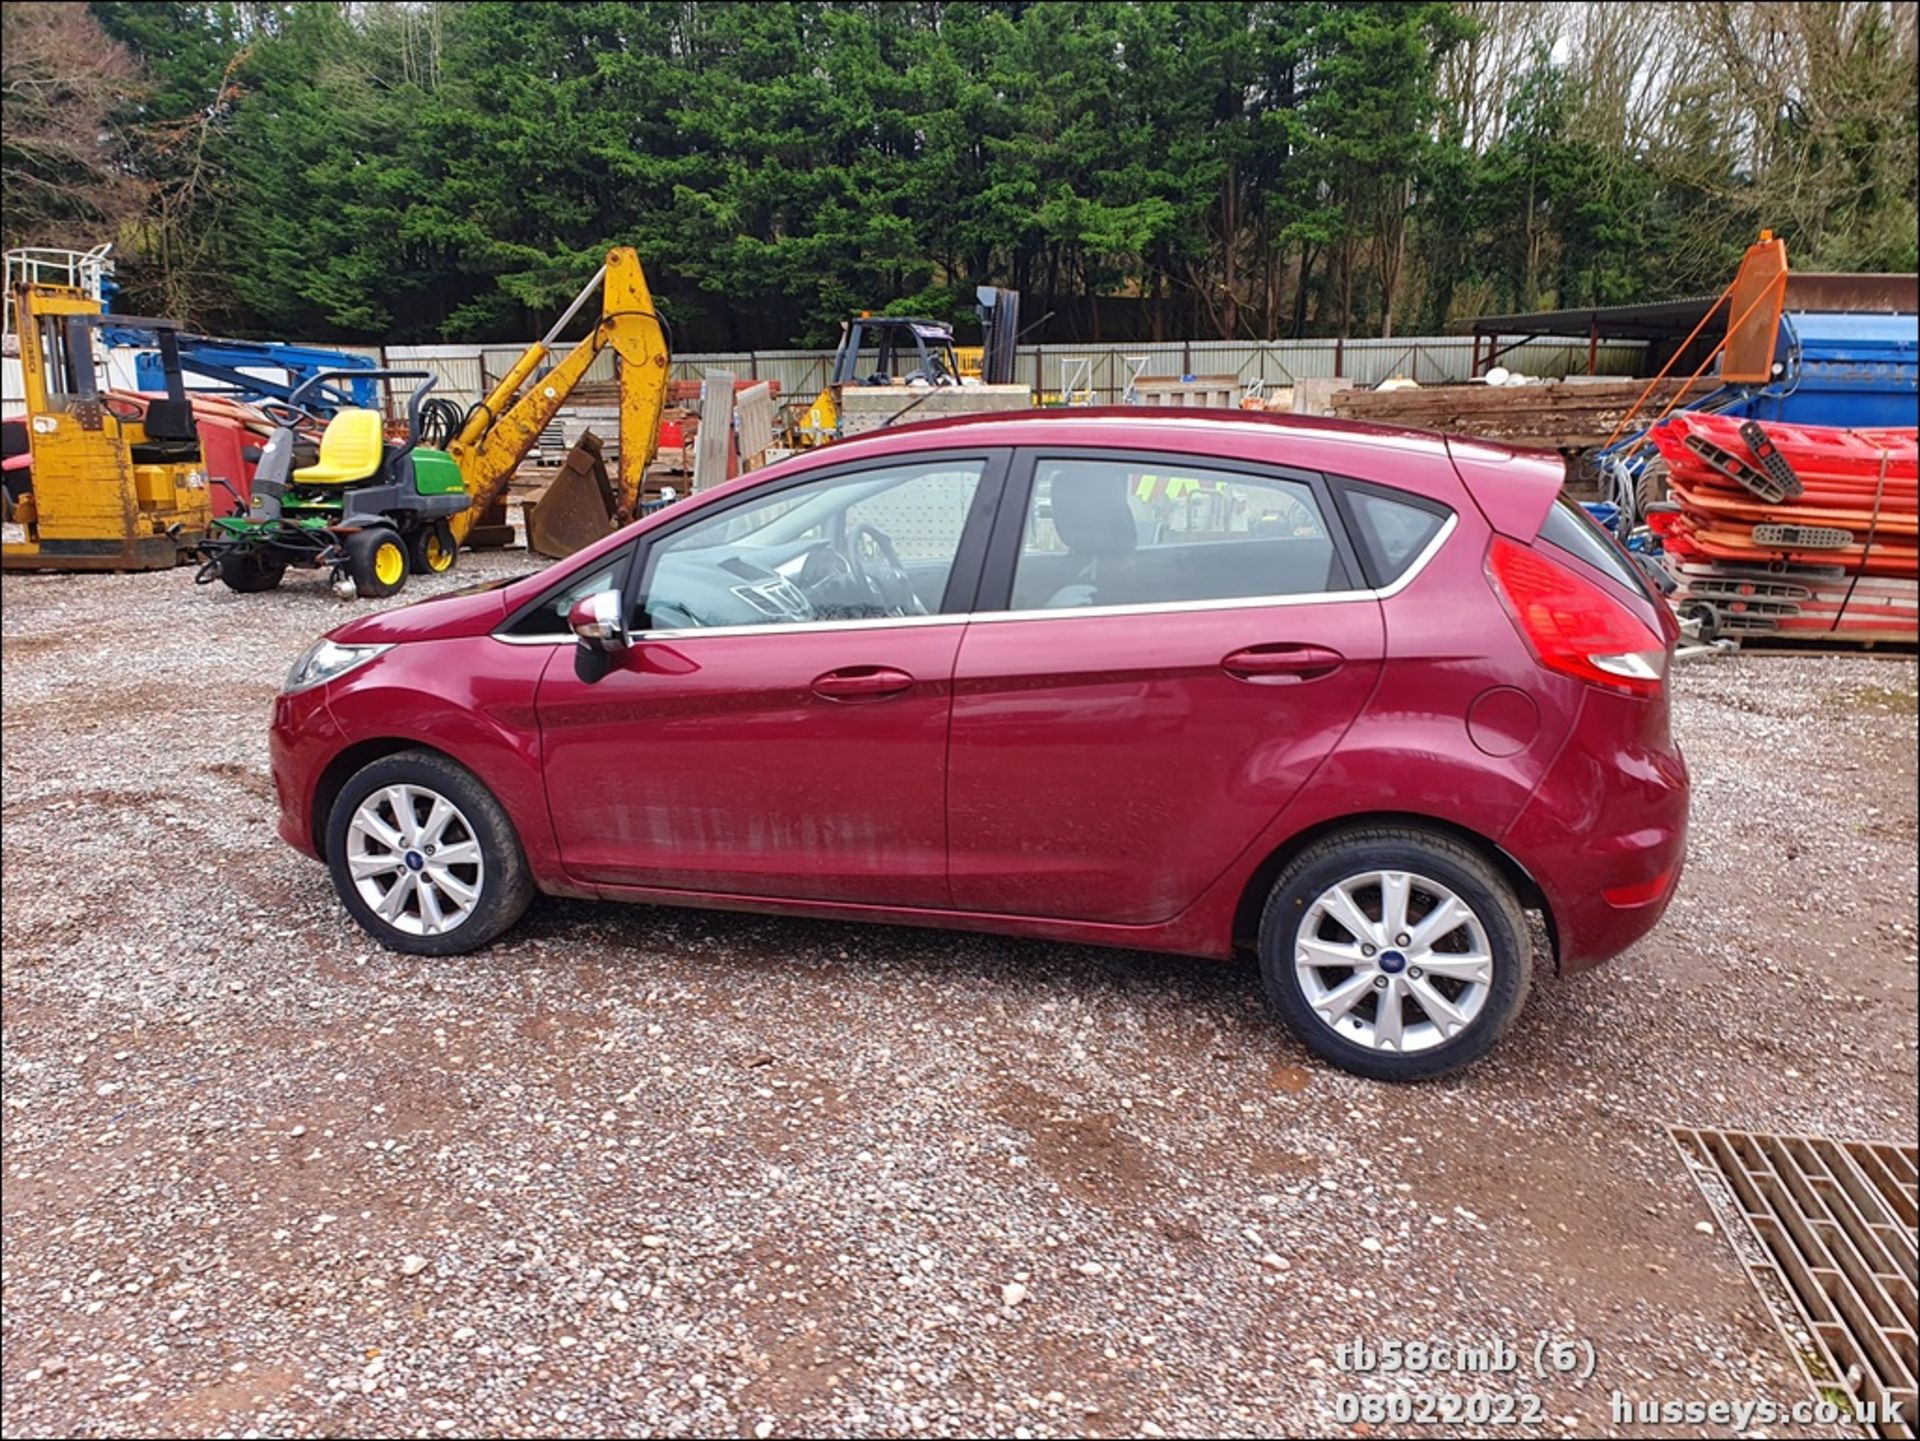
(1092, 516)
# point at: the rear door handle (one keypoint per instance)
(1282, 664)
(862, 682)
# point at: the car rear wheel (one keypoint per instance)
(424, 857)
(1395, 953)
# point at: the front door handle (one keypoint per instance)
(1282, 664)
(862, 682)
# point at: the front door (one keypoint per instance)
(1182, 645)
(779, 725)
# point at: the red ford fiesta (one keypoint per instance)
(1353, 697)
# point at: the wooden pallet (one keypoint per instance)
(1557, 414)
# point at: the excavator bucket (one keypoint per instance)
(577, 508)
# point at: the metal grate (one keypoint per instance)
(1836, 1223)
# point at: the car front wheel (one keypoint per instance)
(1395, 953)
(424, 857)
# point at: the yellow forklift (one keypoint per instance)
(115, 482)
(914, 352)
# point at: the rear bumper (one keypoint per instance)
(1605, 833)
(302, 739)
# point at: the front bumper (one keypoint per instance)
(300, 742)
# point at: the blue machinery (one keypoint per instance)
(230, 361)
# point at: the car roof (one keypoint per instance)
(1148, 427)
(1310, 442)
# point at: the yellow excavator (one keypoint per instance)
(372, 511)
(501, 429)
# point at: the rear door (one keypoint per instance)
(1162, 653)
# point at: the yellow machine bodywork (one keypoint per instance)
(92, 506)
(820, 424)
(501, 430)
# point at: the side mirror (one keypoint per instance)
(595, 619)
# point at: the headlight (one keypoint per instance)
(325, 660)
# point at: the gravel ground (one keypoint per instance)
(636, 1170)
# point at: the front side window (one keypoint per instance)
(1128, 531)
(870, 545)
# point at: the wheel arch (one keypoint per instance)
(342, 767)
(1253, 899)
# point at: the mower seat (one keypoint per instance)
(351, 449)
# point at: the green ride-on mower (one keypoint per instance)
(369, 510)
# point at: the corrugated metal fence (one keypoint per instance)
(467, 372)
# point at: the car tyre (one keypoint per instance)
(1447, 1012)
(372, 850)
(376, 561)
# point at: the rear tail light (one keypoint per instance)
(1575, 627)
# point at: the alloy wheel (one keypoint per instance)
(415, 859)
(1393, 961)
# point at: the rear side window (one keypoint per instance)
(1392, 528)
(1139, 531)
(1569, 527)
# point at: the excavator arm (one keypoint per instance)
(500, 430)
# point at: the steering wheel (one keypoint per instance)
(877, 565)
(122, 407)
(290, 416)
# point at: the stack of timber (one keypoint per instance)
(1566, 415)
(1802, 531)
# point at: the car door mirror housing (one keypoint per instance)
(596, 620)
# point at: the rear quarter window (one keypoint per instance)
(1391, 528)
